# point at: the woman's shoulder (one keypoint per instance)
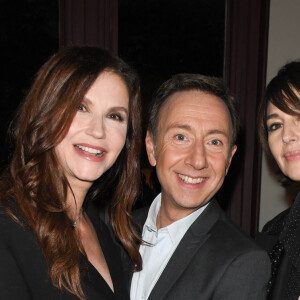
(5, 217)
(12, 226)
(275, 226)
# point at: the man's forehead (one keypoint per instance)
(194, 104)
(188, 109)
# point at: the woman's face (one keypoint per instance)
(97, 133)
(284, 140)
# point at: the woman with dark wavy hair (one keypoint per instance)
(76, 133)
(279, 131)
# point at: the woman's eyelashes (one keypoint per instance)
(116, 116)
(274, 126)
(82, 107)
(120, 116)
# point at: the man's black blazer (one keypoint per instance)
(214, 260)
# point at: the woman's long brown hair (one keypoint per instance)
(35, 181)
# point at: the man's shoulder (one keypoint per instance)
(227, 233)
(233, 239)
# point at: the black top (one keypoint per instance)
(281, 238)
(23, 271)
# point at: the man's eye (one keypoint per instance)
(82, 107)
(216, 142)
(180, 137)
(274, 126)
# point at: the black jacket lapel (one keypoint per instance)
(190, 244)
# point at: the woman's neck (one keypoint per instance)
(75, 199)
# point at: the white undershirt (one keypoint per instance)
(156, 254)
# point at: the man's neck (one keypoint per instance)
(167, 216)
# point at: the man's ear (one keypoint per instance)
(233, 150)
(150, 149)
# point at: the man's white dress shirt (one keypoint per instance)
(157, 249)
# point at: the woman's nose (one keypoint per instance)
(290, 133)
(96, 128)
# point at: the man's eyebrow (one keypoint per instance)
(179, 126)
(188, 127)
(217, 131)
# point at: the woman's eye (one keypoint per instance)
(180, 137)
(117, 117)
(82, 107)
(274, 126)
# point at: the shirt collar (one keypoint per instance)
(152, 214)
(177, 229)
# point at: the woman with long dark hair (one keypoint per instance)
(76, 133)
(279, 131)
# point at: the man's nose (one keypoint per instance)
(196, 156)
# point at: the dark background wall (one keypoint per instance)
(31, 30)
(158, 38)
(28, 36)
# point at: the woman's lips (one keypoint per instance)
(292, 155)
(90, 152)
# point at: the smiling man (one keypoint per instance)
(191, 250)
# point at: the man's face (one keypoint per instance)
(193, 150)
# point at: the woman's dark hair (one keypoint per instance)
(283, 91)
(35, 180)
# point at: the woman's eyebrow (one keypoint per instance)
(118, 108)
(272, 116)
